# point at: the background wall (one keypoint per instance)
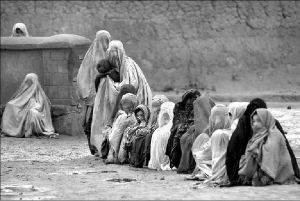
(222, 46)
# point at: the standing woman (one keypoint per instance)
(19, 30)
(28, 111)
(108, 90)
(86, 78)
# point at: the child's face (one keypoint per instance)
(256, 123)
(127, 108)
(140, 116)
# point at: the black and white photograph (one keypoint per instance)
(150, 100)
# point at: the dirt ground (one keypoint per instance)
(63, 169)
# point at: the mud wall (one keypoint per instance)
(54, 59)
(233, 46)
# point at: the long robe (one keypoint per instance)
(202, 148)
(266, 154)
(240, 137)
(86, 78)
(153, 124)
(137, 141)
(107, 94)
(182, 121)
(28, 112)
(115, 136)
(158, 159)
(202, 108)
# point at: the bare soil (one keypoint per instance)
(64, 169)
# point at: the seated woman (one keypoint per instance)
(157, 100)
(124, 119)
(135, 136)
(236, 110)
(266, 159)
(158, 159)
(19, 30)
(209, 147)
(182, 121)
(202, 108)
(239, 140)
(28, 111)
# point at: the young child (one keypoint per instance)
(130, 141)
(105, 68)
(124, 119)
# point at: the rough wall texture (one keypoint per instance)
(214, 45)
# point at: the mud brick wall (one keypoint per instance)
(232, 46)
(15, 64)
(57, 83)
(54, 59)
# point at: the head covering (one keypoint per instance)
(166, 108)
(239, 139)
(16, 117)
(255, 104)
(29, 87)
(19, 30)
(219, 118)
(191, 93)
(116, 54)
(88, 68)
(202, 110)
(267, 150)
(159, 99)
(145, 110)
(129, 98)
(266, 118)
(237, 109)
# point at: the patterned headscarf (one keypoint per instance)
(145, 110)
(192, 93)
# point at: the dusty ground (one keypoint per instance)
(63, 169)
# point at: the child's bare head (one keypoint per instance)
(103, 66)
(128, 102)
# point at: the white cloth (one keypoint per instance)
(22, 30)
(208, 147)
(219, 142)
(122, 122)
(28, 111)
(88, 69)
(158, 159)
(236, 109)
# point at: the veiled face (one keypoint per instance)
(19, 32)
(28, 82)
(113, 57)
(105, 43)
